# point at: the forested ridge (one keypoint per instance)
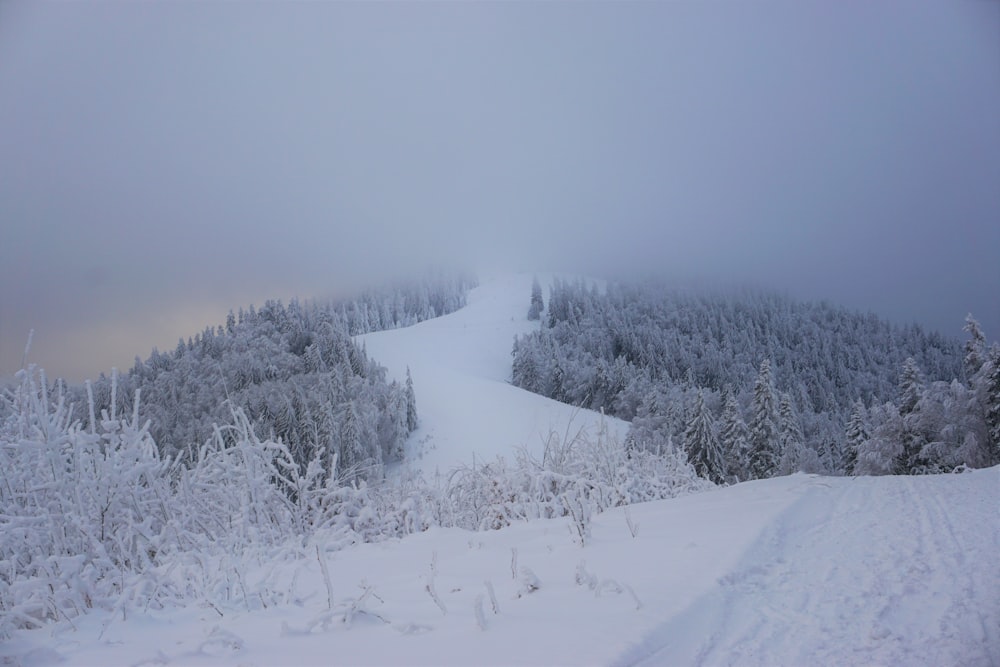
(753, 384)
(296, 373)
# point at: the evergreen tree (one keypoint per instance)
(763, 432)
(992, 401)
(733, 439)
(789, 438)
(975, 347)
(527, 370)
(855, 435)
(982, 417)
(353, 453)
(702, 444)
(911, 389)
(537, 304)
(411, 403)
(879, 453)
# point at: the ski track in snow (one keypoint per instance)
(858, 571)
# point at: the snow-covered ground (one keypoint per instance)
(790, 571)
(461, 366)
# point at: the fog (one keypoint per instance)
(162, 163)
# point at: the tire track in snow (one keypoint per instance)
(967, 614)
(858, 571)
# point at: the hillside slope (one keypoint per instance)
(888, 571)
(787, 571)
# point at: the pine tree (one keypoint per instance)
(733, 439)
(411, 404)
(879, 453)
(789, 437)
(982, 409)
(763, 433)
(993, 404)
(353, 454)
(911, 386)
(911, 389)
(702, 444)
(975, 347)
(855, 435)
(537, 304)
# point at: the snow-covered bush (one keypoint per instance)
(82, 509)
(93, 515)
(577, 474)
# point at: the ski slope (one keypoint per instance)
(461, 366)
(799, 570)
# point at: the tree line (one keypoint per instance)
(753, 384)
(294, 370)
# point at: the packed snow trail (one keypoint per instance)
(885, 571)
(461, 368)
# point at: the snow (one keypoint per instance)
(787, 571)
(461, 367)
(889, 571)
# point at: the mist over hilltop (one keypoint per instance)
(167, 163)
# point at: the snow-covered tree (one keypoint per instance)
(975, 348)
(991, 386)
(411, 403)
(952, 433)
(981, 367)
(856, 435)
(734, 439)
(878, 455)
(793, 457)
(911, 386)
(911, 389)
(354, 453)
(763, 431)
(702, 444)
(537, 304)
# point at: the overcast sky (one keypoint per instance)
(163, 163)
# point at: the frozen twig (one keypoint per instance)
(326, 578)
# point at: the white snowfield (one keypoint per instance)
(800, 570)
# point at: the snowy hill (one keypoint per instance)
(787, 571)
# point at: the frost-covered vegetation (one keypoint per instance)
(264, 441)
(295, 372)
(230, 549)
(752, 384)
(94, 516)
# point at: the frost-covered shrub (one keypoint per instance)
(94, 516)
(577, 474)
(235, 495)
(82, 509)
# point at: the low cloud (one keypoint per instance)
(167, 162)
